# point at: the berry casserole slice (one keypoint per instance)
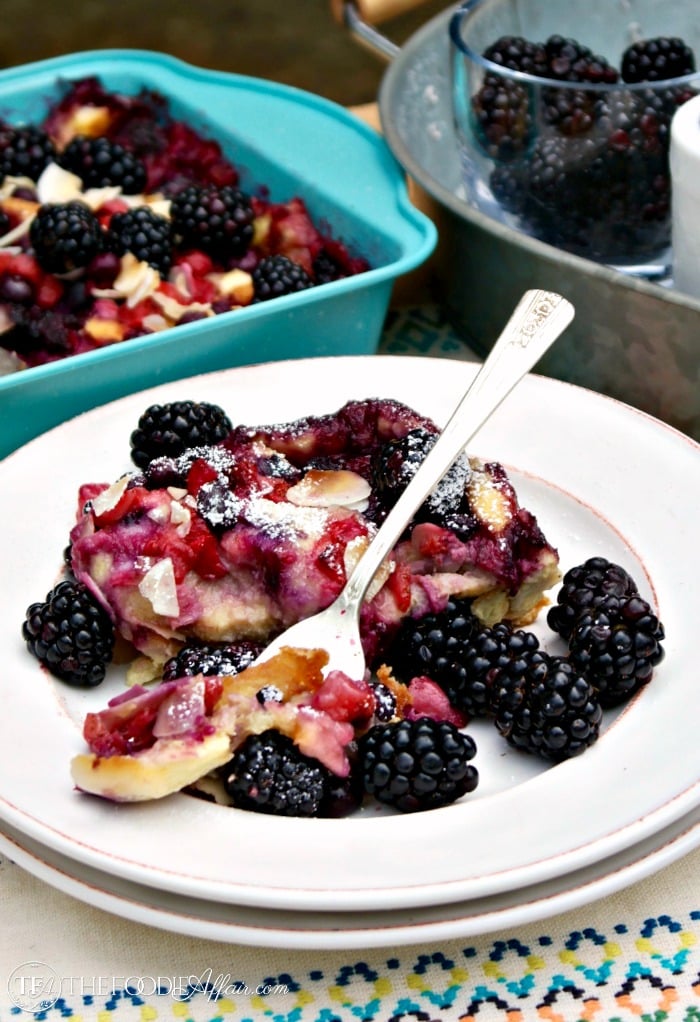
(238, 539)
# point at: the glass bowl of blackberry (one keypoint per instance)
(563, 113)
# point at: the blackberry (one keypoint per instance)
(617, 645)
(145, 234)
(583, 588)
(170, 429)
(343, 795)
(65, 236)
(385, 705)
(70, 634)
(518, 54)
(326, 268)
(100, 162)
(414, 765)
(166, 471)
(393, 465)
(277, 275)
(502, 116)
(494, 661)
(216, 220)
(569, 61)
(552, 711)
(212, 659)
(36, 329)
(657, 60)
(433, 644)
(218, 506)
(268, 774)
(24, 152)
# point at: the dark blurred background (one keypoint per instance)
(296, 43)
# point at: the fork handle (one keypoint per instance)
(537, 321)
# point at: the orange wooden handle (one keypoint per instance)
(374, 12)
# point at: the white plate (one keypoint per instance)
(602, 479)
(262, 927)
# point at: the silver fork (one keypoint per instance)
(538, 320)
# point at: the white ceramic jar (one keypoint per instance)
(685, 206)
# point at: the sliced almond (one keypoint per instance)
(322, 488)
(237, 284)
(136, 279)
(25, 209)
(104, 331)
(174, 310)
(261, 229)
(159, 588)
(110, 497)
(87, 120)
(58, 185)
(154, 323)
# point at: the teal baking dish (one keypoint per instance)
(284, 139)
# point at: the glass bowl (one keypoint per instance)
(580, 164)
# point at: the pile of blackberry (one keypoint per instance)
(593, 178)
(545, 704)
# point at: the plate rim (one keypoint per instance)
(636, 830)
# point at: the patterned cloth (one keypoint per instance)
(633, 957)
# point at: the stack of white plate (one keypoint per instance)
(532, 840)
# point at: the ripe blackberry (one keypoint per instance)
(496, 659)
(211, 659)
(326, 268)
(65, 236)
(170, 429)
(569, 61)
(216, 220)
(518, 54)
(583, 588)
(552, 711)
(414, 765)
(433, 645)
(146, 235)
(70, 634)
(503, 120)
(657, 60)
(268, 774)
(277, 275)
(100, 162)
(24, 152)
(617, 645)
(393, 465)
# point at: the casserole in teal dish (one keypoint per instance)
(283, 139)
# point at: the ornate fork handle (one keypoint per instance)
(538, 319)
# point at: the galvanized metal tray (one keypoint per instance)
(632, 340)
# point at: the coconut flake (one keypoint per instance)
(159, 588)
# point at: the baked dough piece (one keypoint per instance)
(152, 742)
